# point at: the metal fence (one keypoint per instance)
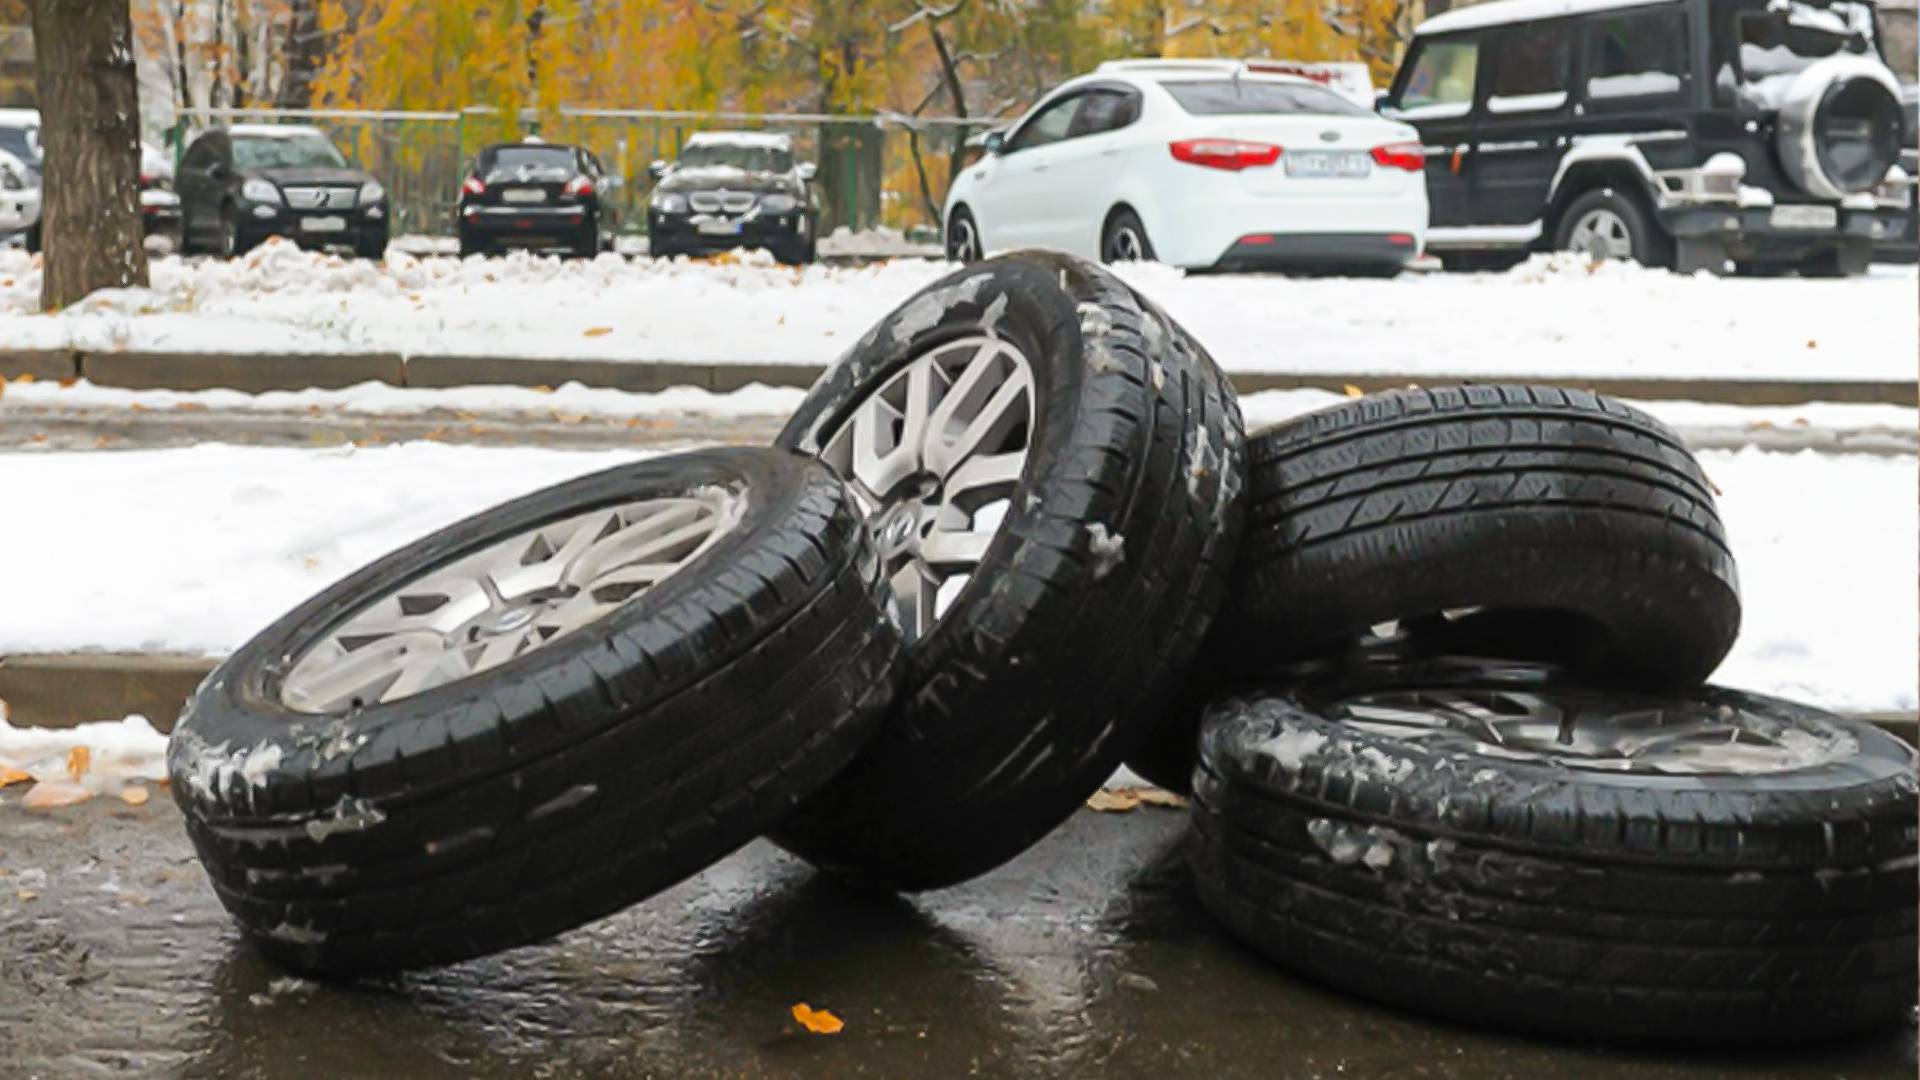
(872, 170)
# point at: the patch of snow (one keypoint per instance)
(120, 752)
(1534, 320)
(1348, 842)
(1108, 549)
(1292, 747)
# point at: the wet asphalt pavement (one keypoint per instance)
(1084, 958)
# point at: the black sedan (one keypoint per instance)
(239, 185)
(733, 189)
(532, 195)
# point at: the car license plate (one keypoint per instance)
(713, 227)
(323, 224)
(1321, 164)
(523, 195)
(1804, 217)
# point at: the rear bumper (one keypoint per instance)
(1207, 233)
(1750, 233)
(1267, 251)
(524, 223)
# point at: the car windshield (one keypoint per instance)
(749, 158)
(1239, 97)
(284, 151)
(21, 142)
(1782, 40)
(530, 158)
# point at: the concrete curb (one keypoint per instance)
(261, 372)
(60, 690)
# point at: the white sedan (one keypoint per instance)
(1203, 164)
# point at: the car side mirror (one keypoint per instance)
(996, 143)
(808, 170)
(657, 170)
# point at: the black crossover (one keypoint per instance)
(532, 195)
(239, 185)
(731, 190)
(1722, 135)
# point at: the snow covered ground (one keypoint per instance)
(1553, 316)
(192, 550)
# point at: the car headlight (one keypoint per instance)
(777, 203)
(669, 202)
(261, 191)
(371, 192)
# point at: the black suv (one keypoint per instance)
(1700, 134)
(532, 194)
(733, 189)
(239, 185)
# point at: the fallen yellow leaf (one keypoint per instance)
(27, 894)
(79, 760)
(1163, 798)
(597, 331)
(1113, 802)
(25, 378)
(135, 795)
(1352, 391)
(10, 776)
(818, 1021)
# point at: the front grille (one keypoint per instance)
(733, 202)
(332, 197)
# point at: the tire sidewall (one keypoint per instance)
(954, 253)
(1640, 228)
(239, 703)
(1125, 219)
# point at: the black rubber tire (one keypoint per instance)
(1561, 901)
(1583, 529)
(1851, 260)
(956, 237)
(1124, 218)
(1652, 245)
(471, 245)
(32, 239)
(569, 782)
(1481, 262)
(1060, 650)
(233, 240)
(373, 249)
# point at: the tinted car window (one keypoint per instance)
(284, 151)
(1774, 44)
(513, 158)
(1051, 125)
(737, 156)
(21, 142)
(1441, 78)
(1231, 97)
(1636, 56)
(1104, 110)
(1531, 64)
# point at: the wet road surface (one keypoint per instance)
(1084, 958)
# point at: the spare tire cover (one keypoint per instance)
(1839, 127)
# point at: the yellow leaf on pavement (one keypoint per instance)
(135, 795)
(597, 331)
(1114, 802)
(50, 794)
(10, 776)
(1352, 391)
(79, 760)
(818, 1021)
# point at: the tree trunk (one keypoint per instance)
(305, 52)
(90, 230)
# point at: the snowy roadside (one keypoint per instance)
(192, 550)
(1552, 317)
(1893, 427)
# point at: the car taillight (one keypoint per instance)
(578, 186)
(474, 186)
(1410, 156)
(1230, 154)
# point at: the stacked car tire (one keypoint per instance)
(1429, 663)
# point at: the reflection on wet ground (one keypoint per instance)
(1086, 957)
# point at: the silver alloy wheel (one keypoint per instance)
(505, 600)
(1600, 234)
(933, 457)
(1588, 731)
(966, 242)
(1127, 246)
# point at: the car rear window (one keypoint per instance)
(531, 157)
(1233, 97)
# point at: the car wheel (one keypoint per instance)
(1480, 262)
(1501, 846)
(471, 245)
(1054, 469)
(1125, 239)
(233, 241)
(539, 715)
(963, 237)
(1507, 521)
(372, 248)
(32, 238)
(1605, 224)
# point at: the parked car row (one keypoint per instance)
(1757, 135)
